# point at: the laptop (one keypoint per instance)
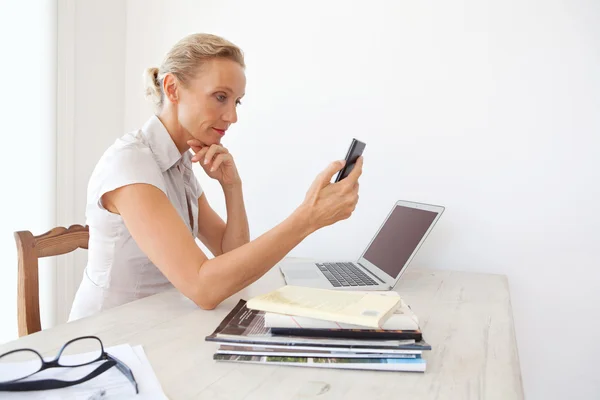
(384, 260)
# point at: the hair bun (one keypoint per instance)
(152, 86)
(152, 73)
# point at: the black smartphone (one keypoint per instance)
(354, 151)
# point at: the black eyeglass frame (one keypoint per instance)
(17, 385)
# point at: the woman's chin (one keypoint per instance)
(211, 141)
(205, 141)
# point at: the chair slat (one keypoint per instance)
(57, 241)
(61, 240)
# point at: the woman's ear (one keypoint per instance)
(170, 88)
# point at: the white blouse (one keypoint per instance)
(117, 271)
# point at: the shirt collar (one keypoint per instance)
(161, 144)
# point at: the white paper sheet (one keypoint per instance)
(111, 384)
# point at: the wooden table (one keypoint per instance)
(466, 317)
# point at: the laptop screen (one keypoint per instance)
(398, 238)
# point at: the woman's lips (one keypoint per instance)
(220, 131)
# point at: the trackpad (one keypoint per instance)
(302, 273)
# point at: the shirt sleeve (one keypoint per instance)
(126, 166)
(195, 185)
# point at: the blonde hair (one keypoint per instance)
(184, 60)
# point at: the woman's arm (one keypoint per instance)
(211, 227)
(237, 232)
(162, 235)
(220, 237)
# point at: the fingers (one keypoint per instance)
(324, 178)
(351, 191)
(220, 159)
(200, 154)
(212, 151)
(326, 175)
(349, 185)
(333, 202)
(196, 145)
(205, 154)
(356, 171)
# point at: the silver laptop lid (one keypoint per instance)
(398, 239)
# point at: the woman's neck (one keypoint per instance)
(176, 131)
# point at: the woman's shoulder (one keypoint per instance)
(129, 144)
(131, 150)
(128, 159)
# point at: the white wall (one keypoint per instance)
(99, 80)
(489, 108)
(95, 92)
(28, 104)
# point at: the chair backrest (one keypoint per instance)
(57, 241)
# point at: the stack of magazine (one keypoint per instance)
(251, 333)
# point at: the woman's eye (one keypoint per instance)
(221, 98)
(238, 103)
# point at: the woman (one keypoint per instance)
(145, 207)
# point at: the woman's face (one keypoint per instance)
(206, 107)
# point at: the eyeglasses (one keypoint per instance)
(78, 352)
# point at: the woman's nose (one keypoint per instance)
(230, 116)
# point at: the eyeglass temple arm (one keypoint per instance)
(46, 384)
(125, 370)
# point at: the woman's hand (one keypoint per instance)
(327, 203)
(216, 162)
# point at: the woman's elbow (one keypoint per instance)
(208, 293)
(206, 302)
(206, 305)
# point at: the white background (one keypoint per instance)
(28, 121)
(489, 108)
(98, 97)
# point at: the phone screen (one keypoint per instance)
(354, 151)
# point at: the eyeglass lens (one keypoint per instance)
(81, 351)
(19, 364)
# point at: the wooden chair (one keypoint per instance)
(55, 242)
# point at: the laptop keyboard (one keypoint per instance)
(345, 274)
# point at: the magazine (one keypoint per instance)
(294, 352)
(247, 326)
(338, 350)
(378, 334)
(379, 364)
